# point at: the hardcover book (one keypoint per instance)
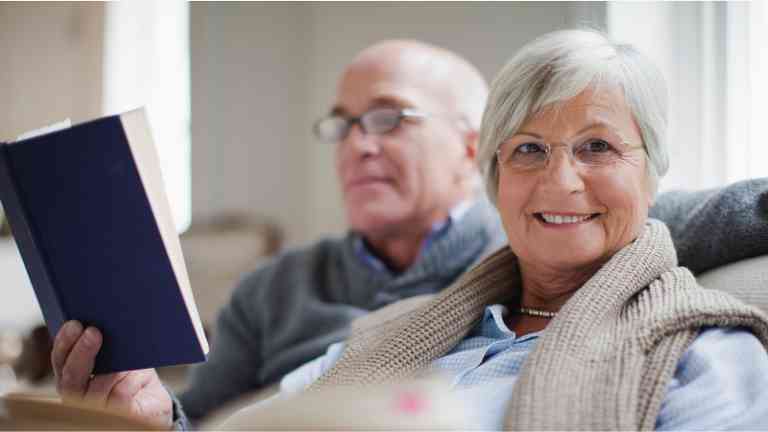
(88, 211)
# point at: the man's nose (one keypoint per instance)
(360, 143)
(563, 172)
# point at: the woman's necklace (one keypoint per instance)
(536, 312)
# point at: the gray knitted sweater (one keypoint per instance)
(290, 310)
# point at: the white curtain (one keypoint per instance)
(146, 63)
(758, 69)
(713, 55)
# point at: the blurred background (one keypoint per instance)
(232, 90)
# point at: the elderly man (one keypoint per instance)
(405, 138)
(405, 124)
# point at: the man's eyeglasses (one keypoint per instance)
(335, 127)
(535, 156)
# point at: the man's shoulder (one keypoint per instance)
(321, 250)
(296, 266)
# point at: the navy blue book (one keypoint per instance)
(89, 213)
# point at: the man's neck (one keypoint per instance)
(399, 250)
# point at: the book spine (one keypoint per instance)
(31, 251)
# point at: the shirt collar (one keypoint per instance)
(439, 229)
(493, 326)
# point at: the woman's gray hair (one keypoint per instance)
(557, 67)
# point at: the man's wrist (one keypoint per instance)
(179, 420)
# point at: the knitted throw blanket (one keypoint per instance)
(603, 363)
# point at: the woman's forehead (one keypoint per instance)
(589, 108)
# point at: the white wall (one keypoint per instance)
(705, 52)
(51, 70)
(671, 34)
(249, 73)
(262, 73)
(51, 64)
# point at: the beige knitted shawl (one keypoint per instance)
(603, 363)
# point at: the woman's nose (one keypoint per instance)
(563, 172)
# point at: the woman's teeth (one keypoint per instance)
(558, 219)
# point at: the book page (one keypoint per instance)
(64, 124)
(136, 129)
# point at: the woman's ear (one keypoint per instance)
(652, 190)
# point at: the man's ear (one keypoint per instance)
(471, 137)
(469, 155)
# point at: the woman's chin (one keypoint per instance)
(569, 257)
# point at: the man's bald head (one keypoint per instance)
(397, 184)
(446, 76)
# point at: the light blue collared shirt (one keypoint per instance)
(439, 229)
(721, 381)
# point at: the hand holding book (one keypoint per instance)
(91, 220)
(138, 393)
(90, 217)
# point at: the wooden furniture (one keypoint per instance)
(30, 411)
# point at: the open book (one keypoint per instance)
(88, 210)
(424, 404)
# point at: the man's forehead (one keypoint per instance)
(398, 76)
(357, 99)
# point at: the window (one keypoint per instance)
(146, 63)
(758, 67)
(713, 55)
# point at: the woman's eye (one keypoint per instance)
(597, 146)
(529, 148)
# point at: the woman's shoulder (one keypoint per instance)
(724, 354)
(675, 299)
(390, 313)
(721, 381)
(717, 347)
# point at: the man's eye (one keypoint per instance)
(528, 148)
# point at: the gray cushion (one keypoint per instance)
(746, 279)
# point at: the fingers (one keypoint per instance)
(76, 371)
(62, 344)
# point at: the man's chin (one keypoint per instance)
(372, 222)
(370, 190)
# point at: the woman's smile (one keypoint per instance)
(553, 220)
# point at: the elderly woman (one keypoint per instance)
(585, 321)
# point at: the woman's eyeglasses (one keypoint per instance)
(335, 127)
(535, 156)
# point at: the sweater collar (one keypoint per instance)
(457, 309)
(477, 231)
(370, 258)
